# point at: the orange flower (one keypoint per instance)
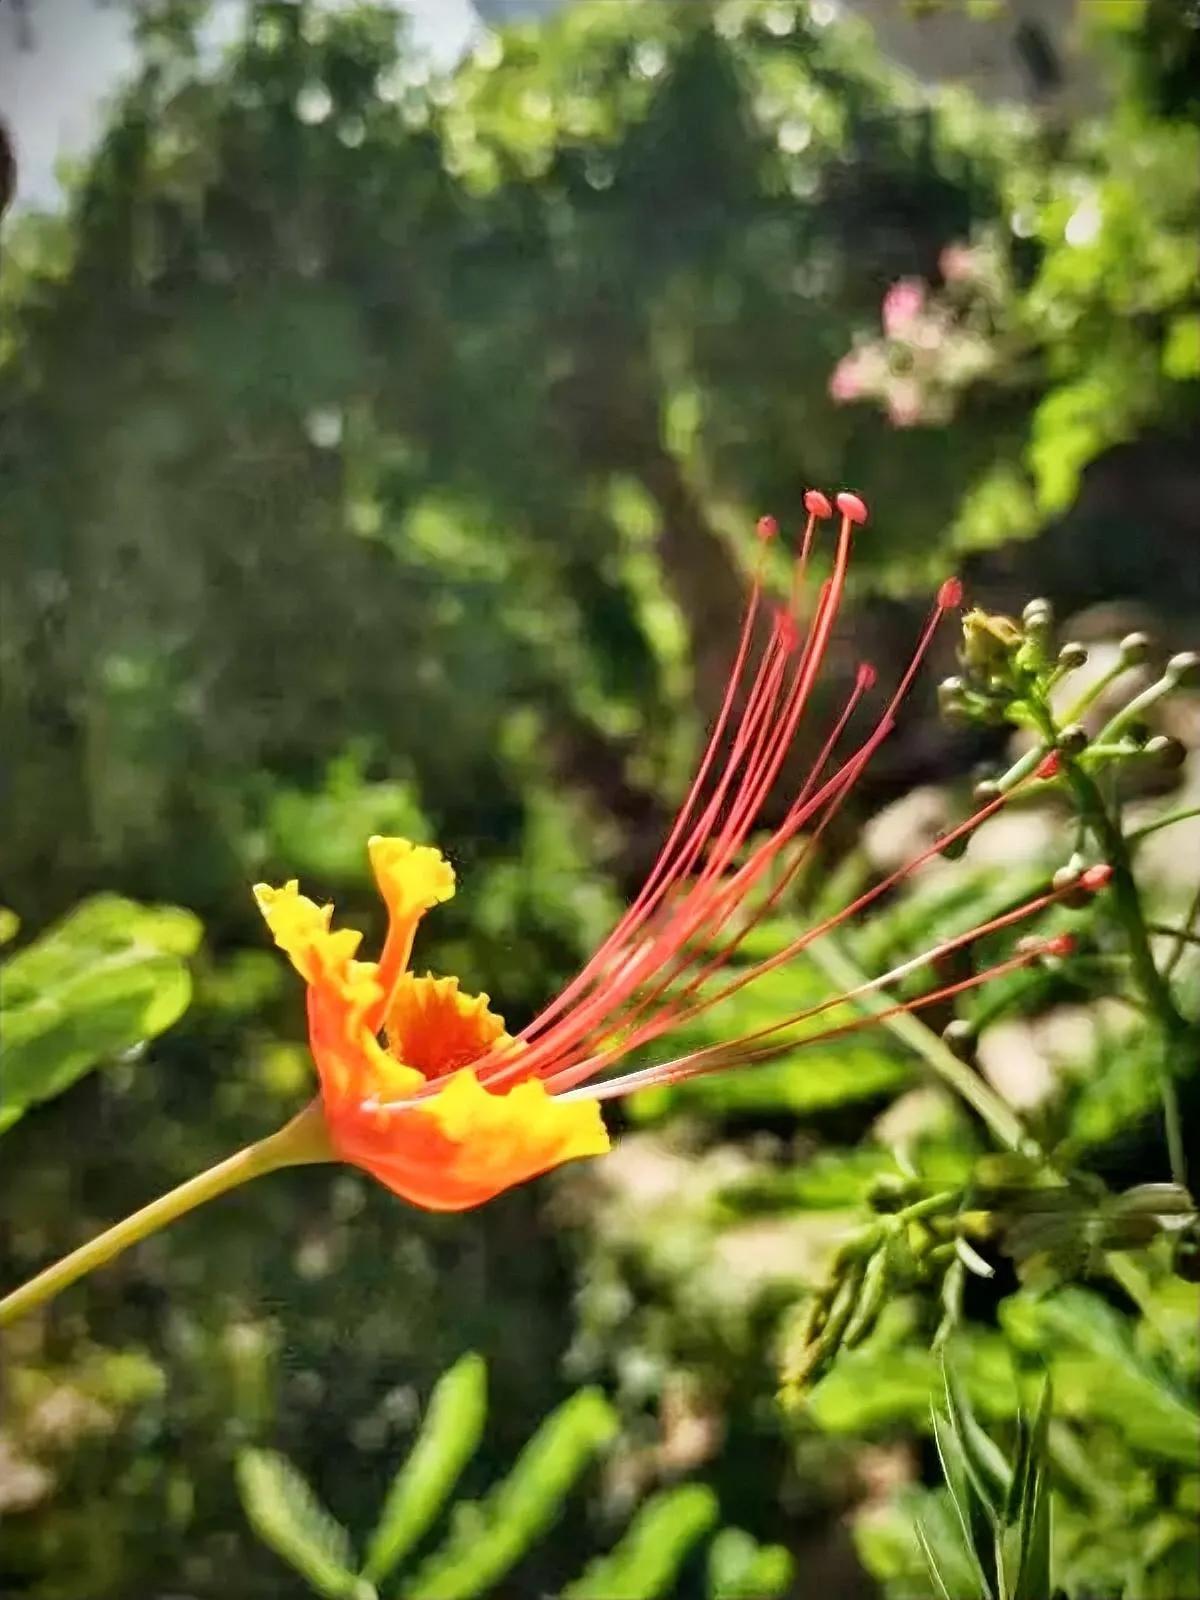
(447, 1150)
(421, 1084)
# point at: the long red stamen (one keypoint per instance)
(571, 1076)
(719, 1058)
(760, 749)
(650, 973)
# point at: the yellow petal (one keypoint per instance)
(301, 929)
(412, 878)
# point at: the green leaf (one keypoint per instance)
(1033, 1523)
(107, 978)
(489, 1539)
(1181, 348)
(1099, 1374)
(645, 1562)
(969, 1509)
(982, 1457)
(739, 1568)
(448, 1439)
(286, 1515)
(932, 1563)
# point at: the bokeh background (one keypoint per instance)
(386, 401)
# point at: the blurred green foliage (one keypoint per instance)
(485, 1541)
(98, 986)
(379, 452)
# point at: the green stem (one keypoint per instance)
(1168, 821)
(304, 1139)
(1003, 1122)
(1128, 907)
(1091, 694)
(1135, 708)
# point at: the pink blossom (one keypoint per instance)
(957, 263)
(904, 403)
(903, 301)
(844, 381)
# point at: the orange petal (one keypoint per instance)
(342, 993)
(433, 1026)
(464, 1145)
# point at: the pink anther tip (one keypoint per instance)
(1096, 878)
(766, 528)
(1050, 767)
(816, 504)
(950, 595)
(852, 507)
(867, 676)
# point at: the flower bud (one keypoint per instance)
(1073, 739)
(986, 791)
(988, 643)
(1135, 647)
(1181, 666)
(1038, 614)
(1170, 752)
(1072, 656)
(959, 1036)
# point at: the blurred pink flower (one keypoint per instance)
(845, 381)
(957, 263)
(903, 301)
(904, 403)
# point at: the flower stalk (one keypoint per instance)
(301, 1141)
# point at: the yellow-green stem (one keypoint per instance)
(998, 1115)
(304, 1139)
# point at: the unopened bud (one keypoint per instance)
(888, 1191)
(988, 644)
(1181, 666)
(987, 791)
(1038, 614)
(1170, 752)
(959, 1036)
(1135, 647)
(1073, 739)
(1072, 656)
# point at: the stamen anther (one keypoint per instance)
(817, 505)
(766, 528)
(1096, 878)
(852, 507)
(1050, 767)
(950, 595)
